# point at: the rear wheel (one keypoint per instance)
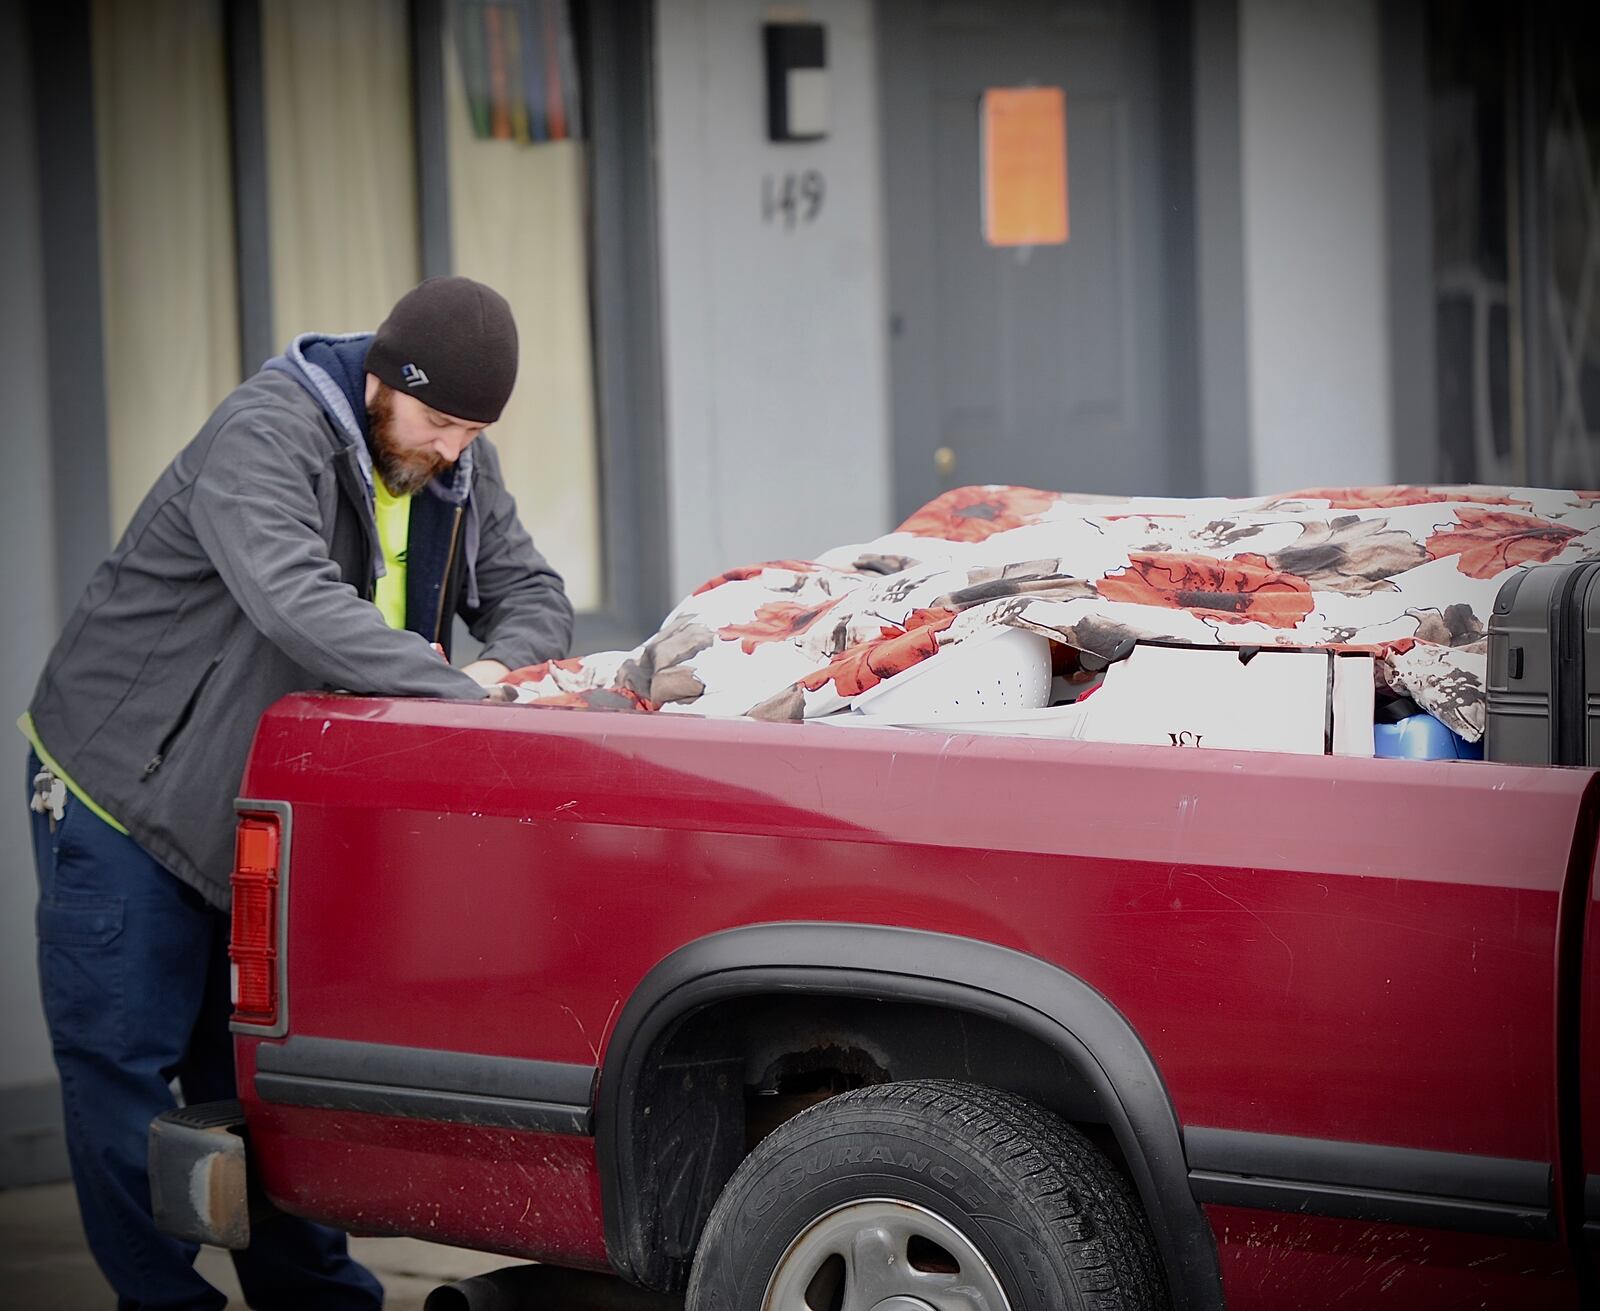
(926, 1196)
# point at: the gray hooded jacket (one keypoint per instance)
(245, 575)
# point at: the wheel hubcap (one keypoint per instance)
(883, 1255)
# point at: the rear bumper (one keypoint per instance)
(200, 1176)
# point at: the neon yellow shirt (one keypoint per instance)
(32, 734)
(393, 514)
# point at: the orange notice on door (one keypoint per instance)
(1023, 140)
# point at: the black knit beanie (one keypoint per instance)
(451, 343)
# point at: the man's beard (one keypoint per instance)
(404, 472)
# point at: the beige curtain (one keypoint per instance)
(166, 232)
(341, 169)
(517, 222)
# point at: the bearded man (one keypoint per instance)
(321, 532)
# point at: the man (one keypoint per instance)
(321, 532)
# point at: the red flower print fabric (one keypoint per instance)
(1409, 573)
(776, 621)
(1486, 543)
(1241, 589)
(753, 571)
(1390, 498)
(973, 514)
(893, 651)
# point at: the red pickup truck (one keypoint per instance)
(820, 1020)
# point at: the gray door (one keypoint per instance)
(1044, 366)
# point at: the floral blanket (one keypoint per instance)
(1409, 573)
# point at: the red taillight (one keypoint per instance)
(253, 948)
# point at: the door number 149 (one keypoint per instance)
(793, 198)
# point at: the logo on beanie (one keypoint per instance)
(414, 376)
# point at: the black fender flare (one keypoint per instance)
(912, 965)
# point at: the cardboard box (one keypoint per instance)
(1305, 701)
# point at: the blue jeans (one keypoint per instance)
(133, 968)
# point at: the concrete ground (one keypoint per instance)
(45, 1265)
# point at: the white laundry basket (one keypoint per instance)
(1006, 669)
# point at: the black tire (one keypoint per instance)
(1055, 1225)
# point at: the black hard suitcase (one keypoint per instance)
(1544, 667)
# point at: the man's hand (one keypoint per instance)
(486, 673)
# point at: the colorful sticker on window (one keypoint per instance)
(519, 68)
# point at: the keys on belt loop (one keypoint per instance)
(49, 796)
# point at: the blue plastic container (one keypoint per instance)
(1422, 737)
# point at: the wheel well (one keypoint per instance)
(777, 1001)
(731, 1073)
(798, 1051)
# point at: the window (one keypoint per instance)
(169, 306)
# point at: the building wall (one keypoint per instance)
(776, 392)
(29, 1142)
(774, 360)
(1311, 97)
(1223, 421)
